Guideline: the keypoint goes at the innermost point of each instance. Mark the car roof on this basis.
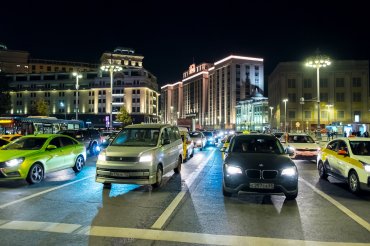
(254, 135)
(354, 139)
(143, 126)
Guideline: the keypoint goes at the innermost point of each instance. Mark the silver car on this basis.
(141, 154)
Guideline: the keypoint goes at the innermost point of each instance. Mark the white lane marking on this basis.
(159, 235)
(341, 207)
(42, 192)
(173, 205)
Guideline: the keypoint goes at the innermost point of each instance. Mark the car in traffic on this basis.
(347, 160)
(225, 143)
(10, 137)
(141, 154)
(188, 145)
(210, 139)
(89, 137)
(199, 139)
(31, 157)
(3, 142)
(257, 163)
(302, 145)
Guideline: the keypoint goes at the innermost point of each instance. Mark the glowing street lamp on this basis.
(64, 109)
(78, 76)
(111, 68)
(285, 101)
(317, 62)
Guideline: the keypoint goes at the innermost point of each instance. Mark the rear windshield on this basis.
(300, 139)
(137, 137)
(257, 145)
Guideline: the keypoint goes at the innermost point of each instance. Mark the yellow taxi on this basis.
(226, 143)
(188, 145)
(348, 160)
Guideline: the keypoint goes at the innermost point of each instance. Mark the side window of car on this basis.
(56, 142)
(176, 133)
(172, 134)
(342, 146)
(332, 145)
(67, 141)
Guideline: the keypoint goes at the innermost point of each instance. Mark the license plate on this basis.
(118, 174)
(261, 185)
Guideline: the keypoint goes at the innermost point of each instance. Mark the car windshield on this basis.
(249, 144)
(30, 143)
(137, 137)
(300, 139)
(208, 134)
(195, 134)
(360, 147)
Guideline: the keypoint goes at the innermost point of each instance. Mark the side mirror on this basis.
(51, 147)
(289, 151)
(342, 152)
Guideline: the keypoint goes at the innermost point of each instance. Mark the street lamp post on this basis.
(285, 101)
(317, 62)
(111, 68)
(78, 76)
(271, 108)
(171, 118)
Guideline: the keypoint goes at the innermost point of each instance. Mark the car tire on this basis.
(158, 177)
(93, 149)
(177, 169)
(35, 174)
(353, 182)
(79, 164)
(322, 171)
(107, 185)
(291, 196)
(226, 193)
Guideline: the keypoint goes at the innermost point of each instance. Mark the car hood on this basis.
(129, 151)
(303, 145)
(6, 155)
(254, 161)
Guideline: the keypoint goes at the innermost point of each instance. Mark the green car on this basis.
(31, 157)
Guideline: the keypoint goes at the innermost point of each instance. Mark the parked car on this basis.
(31, 157)
(89, 137)
(141, 154)
(188, 145)
(3, 142)
(348, 160)
(10, 137)
(257, 163)
(303, 146)
(199, 139)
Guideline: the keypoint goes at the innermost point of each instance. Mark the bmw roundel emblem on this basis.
(260, 165)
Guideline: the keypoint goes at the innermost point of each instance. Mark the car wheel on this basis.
(93, 149)
(178, 168)
(291, 196)
(35, 174)
(322, 171)
(158, 177)
(107, 185)
(79, 164)
(226, 193)
(353, 182)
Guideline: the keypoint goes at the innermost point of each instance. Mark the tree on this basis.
(42, 107)
(124, 117)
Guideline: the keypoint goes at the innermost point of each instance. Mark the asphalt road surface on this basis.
(189, 209)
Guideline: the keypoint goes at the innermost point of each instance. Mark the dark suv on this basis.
(89, 137)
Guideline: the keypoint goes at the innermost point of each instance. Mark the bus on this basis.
(36, 124)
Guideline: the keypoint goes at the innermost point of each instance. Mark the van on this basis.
(141, 154)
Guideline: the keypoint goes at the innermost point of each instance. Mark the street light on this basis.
(317, 62)
(271, 108)
(78, 76)
(64, 109)
(111, 68)
(171, 114)
(285, 101)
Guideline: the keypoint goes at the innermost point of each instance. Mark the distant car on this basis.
(107, 137)
(188, 145)
(10, 137)
(141, 154)
(89, 137)
(278, 134)
(303, 145)
(3, 142)
(199, 139)
(257, 163)
(31, 157)
(348, 160)
(210, 138)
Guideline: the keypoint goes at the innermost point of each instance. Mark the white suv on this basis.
(141, 154)
(303, 146)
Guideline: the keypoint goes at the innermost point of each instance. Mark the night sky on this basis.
(171, 34)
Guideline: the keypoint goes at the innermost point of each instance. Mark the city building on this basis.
(344, 96)
(208, 94)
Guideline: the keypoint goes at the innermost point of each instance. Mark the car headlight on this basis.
(366, 166)
(14, 162)
(199, 141)
(146, 158)
(290, 171)
(102, 157)
(233, 170)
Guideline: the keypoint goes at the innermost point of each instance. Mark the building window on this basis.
(339, 97)
(307, 83)
(291, 83)
(324, 97)
(339, 82)
(357, 97)
(292, 97)
(307, 114)
(356, 82)
(324, 83)
(307, 96)
(291, 114)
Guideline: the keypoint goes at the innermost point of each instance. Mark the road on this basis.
(189, 209)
